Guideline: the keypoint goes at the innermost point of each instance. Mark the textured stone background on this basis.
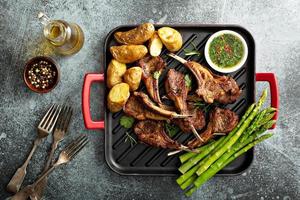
(275, 25)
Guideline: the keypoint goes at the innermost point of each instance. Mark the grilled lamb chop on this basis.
(196, 121)
(221, 121)
(136, 109)
(212, 87)
(193, 98)
(152, 107)
(177, 91)
(151, 65)
(153, 133)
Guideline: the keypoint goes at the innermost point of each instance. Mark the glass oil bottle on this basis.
(66, 38)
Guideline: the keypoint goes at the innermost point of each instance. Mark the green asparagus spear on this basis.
(184, 157)
(188, 174)
(262, 118)
(254, 136)
(191, 191)
(236, 148)
(269, 124)
(246, 148)
(185, 177)
(222, 143)
(234, 137)
(188, 182)
(216, 167)
(194, 160)
(239, 145)
(268, 116)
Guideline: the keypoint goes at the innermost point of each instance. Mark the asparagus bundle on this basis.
(197, 168)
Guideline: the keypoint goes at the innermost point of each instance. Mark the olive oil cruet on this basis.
(66, 38)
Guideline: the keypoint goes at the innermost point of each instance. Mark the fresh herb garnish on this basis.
(130, 139)
(156, 74)
(171, 129)
(191, 52)
(226, 50)
(204, 106)
(188, 80)
(200, 104)
(126, 121)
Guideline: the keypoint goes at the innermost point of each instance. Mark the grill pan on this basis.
(141, 159)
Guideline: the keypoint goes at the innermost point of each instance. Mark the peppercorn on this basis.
(41, 74)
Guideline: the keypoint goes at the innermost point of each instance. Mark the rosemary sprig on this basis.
(130, 139)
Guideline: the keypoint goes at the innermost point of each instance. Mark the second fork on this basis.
(65, 156)
(58, 135)
(45, 127)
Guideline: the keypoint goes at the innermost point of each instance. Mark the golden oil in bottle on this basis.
(66, 38)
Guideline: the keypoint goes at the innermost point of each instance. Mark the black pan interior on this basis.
(141, 159)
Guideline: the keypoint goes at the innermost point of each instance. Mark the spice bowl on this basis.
(41, 74)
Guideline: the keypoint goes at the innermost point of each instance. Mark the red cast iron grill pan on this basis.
(146, 160)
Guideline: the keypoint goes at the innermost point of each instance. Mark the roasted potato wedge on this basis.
(171, 38)
(115, 71)
(117, 97)
(128, 53)
(155, 45)
(133, 77)
(138, 35)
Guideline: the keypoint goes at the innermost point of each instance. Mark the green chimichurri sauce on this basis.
(226, 50)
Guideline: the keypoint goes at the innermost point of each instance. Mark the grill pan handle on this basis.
(271, 78)
(88, 80)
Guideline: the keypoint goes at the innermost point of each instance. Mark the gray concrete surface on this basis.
(275, 25)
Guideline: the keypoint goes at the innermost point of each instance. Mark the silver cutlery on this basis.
(58, 135)
(45, 127)
(65, 156)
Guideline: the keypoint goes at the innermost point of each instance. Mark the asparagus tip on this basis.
(263, 97)
(269, 124)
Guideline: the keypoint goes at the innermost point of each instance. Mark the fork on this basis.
(58, 135)
(45, 127)
(65, 156)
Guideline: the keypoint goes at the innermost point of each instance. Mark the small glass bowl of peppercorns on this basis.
(41, 74)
